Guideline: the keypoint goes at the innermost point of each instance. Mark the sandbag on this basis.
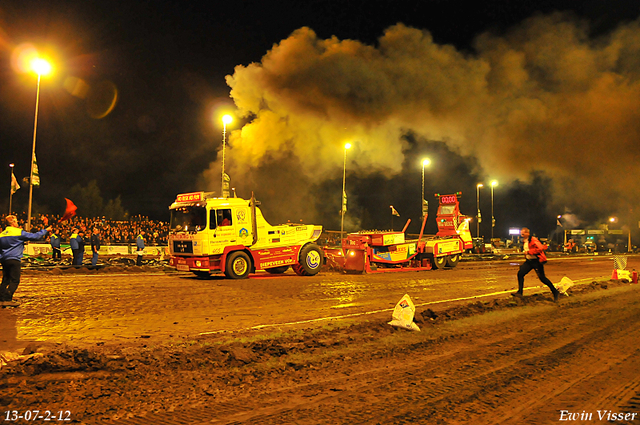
(402, 316)
(564, 284)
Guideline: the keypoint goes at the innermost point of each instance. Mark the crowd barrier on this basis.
(45, 249)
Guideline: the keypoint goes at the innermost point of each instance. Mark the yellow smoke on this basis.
(545, 96)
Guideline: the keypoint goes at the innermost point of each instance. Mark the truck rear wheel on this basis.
(453, 260)
(310, 262)
(238, 265)
(277, 270)
(439, 262)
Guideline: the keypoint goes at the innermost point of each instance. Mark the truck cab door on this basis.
(222, 229)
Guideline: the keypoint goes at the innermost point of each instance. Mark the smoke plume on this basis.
(546, 96)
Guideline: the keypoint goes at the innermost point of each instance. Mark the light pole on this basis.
(40, 67)
(425, 163)
(11, 189)
(478, 203)
(564, 232)
(226, 119)
(493, 219)
(614, 220)
(347, 146)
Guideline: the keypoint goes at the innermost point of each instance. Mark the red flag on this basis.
(69, 212)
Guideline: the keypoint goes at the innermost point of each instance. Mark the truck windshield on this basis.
(189, 218)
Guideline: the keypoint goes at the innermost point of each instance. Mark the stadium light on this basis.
(40, 67)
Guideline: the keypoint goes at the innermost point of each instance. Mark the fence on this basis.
(45, 249)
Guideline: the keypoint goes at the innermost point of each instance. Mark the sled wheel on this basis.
(238, 265)
(277, 270)
(439, 262)
(310, 262)
(203, 275)
(453, 260)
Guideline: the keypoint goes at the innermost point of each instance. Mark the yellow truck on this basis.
(229, 235)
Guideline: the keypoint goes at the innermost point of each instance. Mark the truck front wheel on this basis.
(311, 260)
(238, 265)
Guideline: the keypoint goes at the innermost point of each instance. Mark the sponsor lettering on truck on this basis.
(229, 235)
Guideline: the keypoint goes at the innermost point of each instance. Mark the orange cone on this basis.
(614, 276)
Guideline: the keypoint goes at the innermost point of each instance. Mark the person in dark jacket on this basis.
(95, 245)
(54, 239)
(11, 250)
(535, 259)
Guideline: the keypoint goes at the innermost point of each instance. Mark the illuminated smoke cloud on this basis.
(545, 97)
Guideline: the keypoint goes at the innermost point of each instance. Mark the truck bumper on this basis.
(188, 264)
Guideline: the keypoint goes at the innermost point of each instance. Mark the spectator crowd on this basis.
(112, 232)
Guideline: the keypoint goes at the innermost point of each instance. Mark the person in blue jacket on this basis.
(11, 250)
(140, 247)
(54, 239)
(77, 247)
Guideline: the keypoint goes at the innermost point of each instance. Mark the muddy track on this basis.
(524, 365)
(489, 361)
(515, 379)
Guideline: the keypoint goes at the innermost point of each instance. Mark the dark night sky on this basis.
(168, 62)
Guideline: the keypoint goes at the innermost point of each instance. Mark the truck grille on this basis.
(183, 247)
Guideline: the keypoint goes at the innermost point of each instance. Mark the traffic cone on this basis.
(614, 275)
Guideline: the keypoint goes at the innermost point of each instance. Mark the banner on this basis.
(344, 201)
(45, 249)
(34, 171)
(14, 184)
(394, 212)
(226, 182)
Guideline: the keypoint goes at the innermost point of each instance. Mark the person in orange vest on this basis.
(570, 246)
(535, 259)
